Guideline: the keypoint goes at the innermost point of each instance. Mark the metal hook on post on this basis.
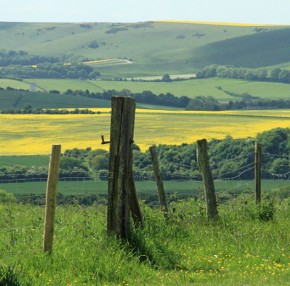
(103, 140)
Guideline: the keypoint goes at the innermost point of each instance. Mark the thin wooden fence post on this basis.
(258, 152)
(209, 189)
(158, 178)
(51, 190)
(120, 166)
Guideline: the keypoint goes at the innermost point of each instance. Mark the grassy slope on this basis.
(18, 99)
(155, 47)
(259, 50)
(186, 249)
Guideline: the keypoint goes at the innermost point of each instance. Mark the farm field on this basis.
(146, 189)
(18, 99)
(190, 88)
(34, 134)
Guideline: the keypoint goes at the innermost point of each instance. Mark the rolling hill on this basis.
(154, 48)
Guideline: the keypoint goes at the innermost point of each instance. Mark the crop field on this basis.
(18, 99)
(173, 189)
(30, 160)
(65, 84)
(190, 88)
(34, 134)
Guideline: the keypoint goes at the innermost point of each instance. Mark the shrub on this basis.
(6, 197)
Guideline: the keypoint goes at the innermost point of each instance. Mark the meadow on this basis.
(34, 134)
(189, 88)
(242, 248)
(96, 191)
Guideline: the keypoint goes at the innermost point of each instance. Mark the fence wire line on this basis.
(232, 159)
(281, 176)
(242, 168)
(31, 180)
(240, 186)
(276, 155)
(237, 176)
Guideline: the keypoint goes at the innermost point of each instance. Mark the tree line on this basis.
(229, 159)
(50, 70)
(274, 75)
(28, 109)
(20, 57)
(243, 101)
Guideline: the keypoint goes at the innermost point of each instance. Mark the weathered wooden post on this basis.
(51, 189)
(120, 166)
(134, 205)
(158, 178)
(258, 149)
(209, 190)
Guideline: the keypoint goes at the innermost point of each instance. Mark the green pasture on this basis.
(154, 47)
(205, 87)
(65, 84)
(147, 190)
(18, 99)
(190, 88)
(17, 84)
(29, 160)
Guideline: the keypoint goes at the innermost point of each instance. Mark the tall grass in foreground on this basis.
(249, 245)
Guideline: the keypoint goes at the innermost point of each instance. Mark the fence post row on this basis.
(258, 151)
(158, 178)
(51, 189)
(209, 190)
(121, 192)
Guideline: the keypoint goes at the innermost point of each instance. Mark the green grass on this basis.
(155, 48)
(64, 84)
(190, 88)
(37, 161)
(259, 50)
(18, 99)
(147, 190)
(185, 249)
(205, 87)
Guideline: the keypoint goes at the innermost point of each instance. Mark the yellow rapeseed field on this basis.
(34, 134)
(218, 23)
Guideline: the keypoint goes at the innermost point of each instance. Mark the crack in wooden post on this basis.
(209, 189)
(120, 186)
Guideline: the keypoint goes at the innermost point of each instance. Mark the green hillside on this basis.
(190, 88)
(154, 47)
(19, 99)
(259, 50)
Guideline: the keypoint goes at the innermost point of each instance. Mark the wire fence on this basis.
(234, 179)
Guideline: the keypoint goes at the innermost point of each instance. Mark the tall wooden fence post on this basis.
(209, 190)
(120, 166)
(258, 149)
(158, 178)
(51, 189)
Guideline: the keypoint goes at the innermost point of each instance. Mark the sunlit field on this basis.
(34, 134)
(217, 23)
